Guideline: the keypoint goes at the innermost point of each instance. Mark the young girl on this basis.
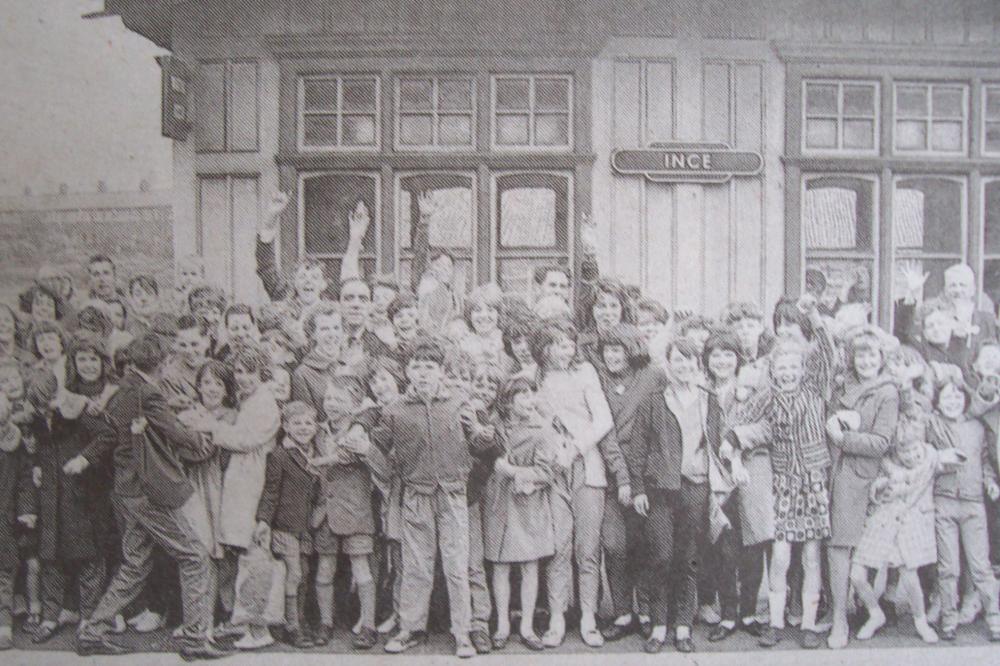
(899, 531)
(570, 390)
(482, 314)
(518, 515)
(248, 440)
(343, 521)
(517, 343)
(789, 418)
(48, 343)
(386, 382)
(960, 514)
(860, 430)
(217, 396)
(75, 514)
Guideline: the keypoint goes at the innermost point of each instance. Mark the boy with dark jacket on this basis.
(290, 489)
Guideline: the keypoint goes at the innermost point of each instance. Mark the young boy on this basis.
(189, 271)
(290, 489)
(343, 521)
(425, 430)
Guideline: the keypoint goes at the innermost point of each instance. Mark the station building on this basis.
(724, 148)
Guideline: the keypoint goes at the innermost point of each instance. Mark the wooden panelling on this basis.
(628, 211)
(243, 107)
(214, 230)
(210, 107)
(698, 247)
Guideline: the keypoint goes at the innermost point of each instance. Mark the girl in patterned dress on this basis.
(789, 418)
(899, 531)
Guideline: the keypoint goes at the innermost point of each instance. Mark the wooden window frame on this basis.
(376, 218)
(435, 113)
(532, 112)
(402, 253)
(499, 253)
(387, 161)
(930, 119)
(972, 165)
(919, 255)
(848, 255)
(840, 118)
(986, 87)
(339, 113)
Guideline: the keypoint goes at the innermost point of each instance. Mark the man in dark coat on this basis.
(150, 492)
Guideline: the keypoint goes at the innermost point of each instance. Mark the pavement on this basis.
(893, 646)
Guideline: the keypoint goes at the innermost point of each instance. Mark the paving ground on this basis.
(898, 645)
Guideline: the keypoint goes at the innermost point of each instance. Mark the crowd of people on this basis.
(625, 469)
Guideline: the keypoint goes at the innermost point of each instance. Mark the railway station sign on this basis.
(686, 162)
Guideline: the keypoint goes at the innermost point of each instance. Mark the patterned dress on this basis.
(801, 492)
(899, 531)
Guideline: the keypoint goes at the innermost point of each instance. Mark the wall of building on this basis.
(63, 231)
(692, 246)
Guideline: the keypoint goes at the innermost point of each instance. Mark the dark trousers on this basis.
(993, 528)
(626, 557)
(147, 525)
(676, 528)
(734, 569)
(90, 579)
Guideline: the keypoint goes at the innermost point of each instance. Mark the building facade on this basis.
(877, 121)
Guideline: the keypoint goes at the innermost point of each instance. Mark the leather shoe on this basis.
(948, 635)
(768, 637)
(366, 639)
(652, 645)
(720, 633)
(616, 632)
(43, 633)
(685, 645)
(811, 640)
(646, 628)
(481, 641)
(322, 635)
(203, 650)
(98, 647)
(753, 628)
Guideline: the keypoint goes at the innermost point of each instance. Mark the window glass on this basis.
(928, 227)
(328, 200)
(532, 214)
(930, 118)
(533, 211)
(838, 223)
(453, 209)
(991, 119)
(840, 116)
(435, 112)
(991, 246)
(339, 112)
(532, 111)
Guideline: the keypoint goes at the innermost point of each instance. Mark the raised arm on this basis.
(267, 265)
(358, 221)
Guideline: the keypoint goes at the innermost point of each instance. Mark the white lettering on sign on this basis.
(688, 161)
